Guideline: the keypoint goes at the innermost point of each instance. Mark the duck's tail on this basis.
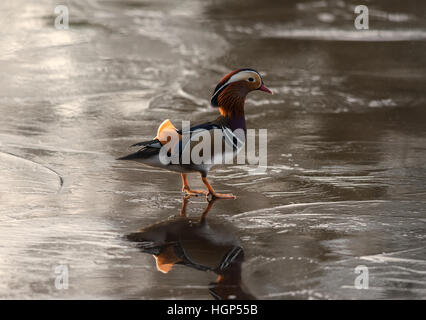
(151, 147)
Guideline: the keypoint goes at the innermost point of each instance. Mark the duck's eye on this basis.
(250, 79)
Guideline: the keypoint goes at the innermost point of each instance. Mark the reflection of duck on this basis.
(197, 244)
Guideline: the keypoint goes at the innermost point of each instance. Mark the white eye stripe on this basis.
(242, 75)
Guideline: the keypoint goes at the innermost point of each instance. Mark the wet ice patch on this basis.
(24, 176)
(345, 35)
(381, 103)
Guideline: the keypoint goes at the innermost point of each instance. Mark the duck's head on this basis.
(230, 93)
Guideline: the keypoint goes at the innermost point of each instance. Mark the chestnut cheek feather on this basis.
(231, 99)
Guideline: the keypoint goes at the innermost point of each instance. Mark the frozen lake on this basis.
(346, 178)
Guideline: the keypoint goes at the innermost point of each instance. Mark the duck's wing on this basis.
(217, 132)
(221, 142)
(204, 126)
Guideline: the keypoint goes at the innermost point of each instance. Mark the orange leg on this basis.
(214, 194)
(188, 190)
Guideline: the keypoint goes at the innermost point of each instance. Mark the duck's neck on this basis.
(231, 106)
(237, 123)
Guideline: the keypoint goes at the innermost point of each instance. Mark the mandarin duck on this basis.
(229, 97)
